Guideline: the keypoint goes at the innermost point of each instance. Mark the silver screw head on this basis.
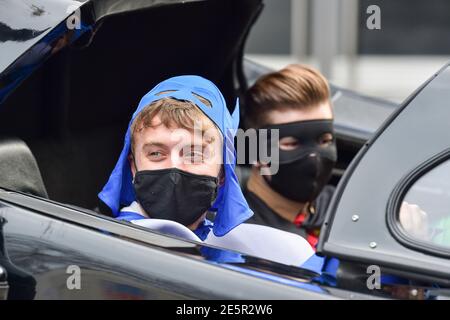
(373, 245)
(355, 217)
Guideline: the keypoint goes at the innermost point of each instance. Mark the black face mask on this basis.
(173, 194)
(304, 171)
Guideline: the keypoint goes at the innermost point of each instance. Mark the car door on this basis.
(405, 163)
(52, 251)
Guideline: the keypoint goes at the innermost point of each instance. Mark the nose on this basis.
(175, 177)
(176, 160)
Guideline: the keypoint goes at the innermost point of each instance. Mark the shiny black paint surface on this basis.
(116, 263)
(25, 23)
(29, 35)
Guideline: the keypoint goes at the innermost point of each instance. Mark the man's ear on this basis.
(132, 164)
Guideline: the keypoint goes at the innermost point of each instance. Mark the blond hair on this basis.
(296, 86)
(173, 113)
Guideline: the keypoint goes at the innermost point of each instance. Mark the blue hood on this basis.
(231, 207)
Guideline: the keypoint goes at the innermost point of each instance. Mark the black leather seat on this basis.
(18, 168)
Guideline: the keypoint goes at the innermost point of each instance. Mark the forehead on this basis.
(159, 133)
(288, 114)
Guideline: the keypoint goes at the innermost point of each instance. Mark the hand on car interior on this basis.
(414, 220)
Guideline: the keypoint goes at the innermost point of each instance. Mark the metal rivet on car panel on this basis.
(355, 217)
(373, 245)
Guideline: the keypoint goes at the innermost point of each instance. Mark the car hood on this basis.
(207, 35)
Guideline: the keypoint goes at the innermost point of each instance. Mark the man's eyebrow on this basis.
(153, 144)
(204, 144)
(193, 144)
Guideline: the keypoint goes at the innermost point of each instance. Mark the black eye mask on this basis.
(305, 170)
(308, 134)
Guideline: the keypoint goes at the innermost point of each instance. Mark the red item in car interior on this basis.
(311, 237)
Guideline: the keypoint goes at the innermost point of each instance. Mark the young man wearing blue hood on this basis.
(177, 165)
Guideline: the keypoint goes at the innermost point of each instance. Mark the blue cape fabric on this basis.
(230, 206)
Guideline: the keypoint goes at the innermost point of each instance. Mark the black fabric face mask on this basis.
(304, 171)
(173, 194)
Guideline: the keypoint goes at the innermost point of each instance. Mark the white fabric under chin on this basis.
(168, 227)
(250, 239)
(265, 242)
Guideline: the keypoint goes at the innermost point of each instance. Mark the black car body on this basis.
(65, 99)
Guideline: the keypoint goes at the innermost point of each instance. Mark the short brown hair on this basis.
(173, 113)
(296, 86)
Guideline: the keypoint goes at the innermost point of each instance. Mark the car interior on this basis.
(63, 127)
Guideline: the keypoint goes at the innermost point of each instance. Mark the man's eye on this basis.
(194, 156)
(326, 139)
(288, 144)
(155, 155)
